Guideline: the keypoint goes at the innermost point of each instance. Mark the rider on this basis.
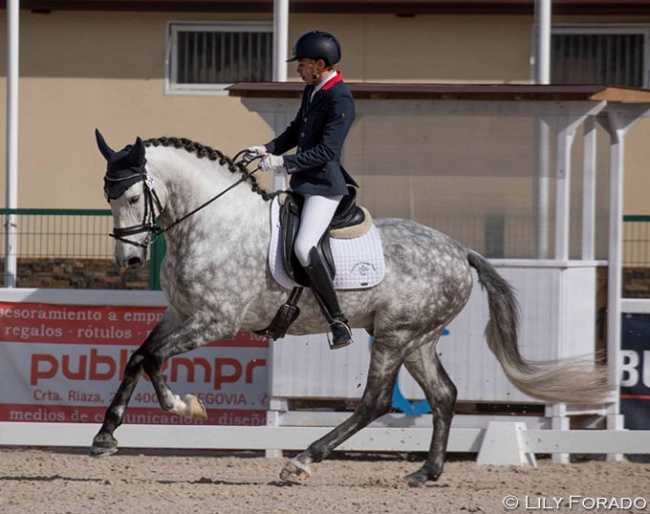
(318, 131)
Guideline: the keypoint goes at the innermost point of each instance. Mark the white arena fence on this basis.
(56, 394)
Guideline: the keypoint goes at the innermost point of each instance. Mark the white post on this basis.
(13, 13)
(563, 191)
(620, 119)
(280, 38)
(542, 75)
(280, 41)
(615, 270)
(565, 126)
(541, 189)
(543, 41)
(589, 191)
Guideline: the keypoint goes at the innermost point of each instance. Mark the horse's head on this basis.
(133, 202)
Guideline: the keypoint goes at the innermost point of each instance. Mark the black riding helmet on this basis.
(317, 45)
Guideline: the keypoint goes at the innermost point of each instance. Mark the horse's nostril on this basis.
(134, 262)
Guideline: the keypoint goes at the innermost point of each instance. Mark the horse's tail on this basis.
(575, 380)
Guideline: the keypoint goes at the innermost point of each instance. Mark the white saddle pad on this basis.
(359, 261)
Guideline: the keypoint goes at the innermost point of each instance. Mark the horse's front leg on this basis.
(104, 443)
(194, 332)
(168, 338)
(190, 337)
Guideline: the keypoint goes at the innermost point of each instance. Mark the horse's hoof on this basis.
(97, 451)
(295, 472)
(196, 407)
(417, 479)
(103, 444)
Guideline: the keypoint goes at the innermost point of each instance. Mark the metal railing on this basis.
(636, 256)
(54, 233)
(70, 248)
(636, 241)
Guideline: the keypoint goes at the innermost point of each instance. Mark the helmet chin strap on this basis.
(315, 74)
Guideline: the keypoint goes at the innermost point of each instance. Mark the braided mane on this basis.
(202, 151)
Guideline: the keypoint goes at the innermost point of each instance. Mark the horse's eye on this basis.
(134, 199)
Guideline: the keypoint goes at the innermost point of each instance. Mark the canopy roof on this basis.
(455, 91)
(399, 7)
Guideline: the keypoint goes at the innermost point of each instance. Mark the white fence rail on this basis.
(501, 443)
(496, 440)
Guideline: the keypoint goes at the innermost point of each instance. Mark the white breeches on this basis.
(317, 213)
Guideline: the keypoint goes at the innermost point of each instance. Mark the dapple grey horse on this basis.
(216, 278)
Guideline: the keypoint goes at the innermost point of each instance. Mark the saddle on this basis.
(349, 221)
(348, 215)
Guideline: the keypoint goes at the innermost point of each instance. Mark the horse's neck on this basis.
(190, 183)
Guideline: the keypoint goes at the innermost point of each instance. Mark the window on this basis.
(207, 57)
(614, 55)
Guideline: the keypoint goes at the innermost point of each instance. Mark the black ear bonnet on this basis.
(123, 168)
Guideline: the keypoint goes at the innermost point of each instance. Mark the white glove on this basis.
(252, 152)
(274, 163)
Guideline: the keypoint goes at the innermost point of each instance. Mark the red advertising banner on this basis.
(63, 363)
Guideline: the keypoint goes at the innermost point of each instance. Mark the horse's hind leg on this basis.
(426, 369)
(104, 443)
(376, 400)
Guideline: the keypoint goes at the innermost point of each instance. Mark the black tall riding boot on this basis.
(323, 288)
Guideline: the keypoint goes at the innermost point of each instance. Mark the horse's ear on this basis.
(138, 150)
(106, 150)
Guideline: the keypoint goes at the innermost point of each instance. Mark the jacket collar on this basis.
(338, 77)
(318, 97)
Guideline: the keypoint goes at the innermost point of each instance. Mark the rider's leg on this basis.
(317, 214)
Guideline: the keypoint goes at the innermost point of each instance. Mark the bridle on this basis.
(152, 202)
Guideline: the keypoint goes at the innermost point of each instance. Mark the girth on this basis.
(348, 214)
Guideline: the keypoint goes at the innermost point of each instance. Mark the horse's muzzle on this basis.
(131, 261)
(134, 262)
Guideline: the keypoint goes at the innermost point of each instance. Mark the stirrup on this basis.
(341, 339)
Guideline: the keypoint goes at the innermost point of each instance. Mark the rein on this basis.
(152, 201)
(157, 231)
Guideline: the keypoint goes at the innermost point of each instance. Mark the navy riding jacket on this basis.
(318, 132)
